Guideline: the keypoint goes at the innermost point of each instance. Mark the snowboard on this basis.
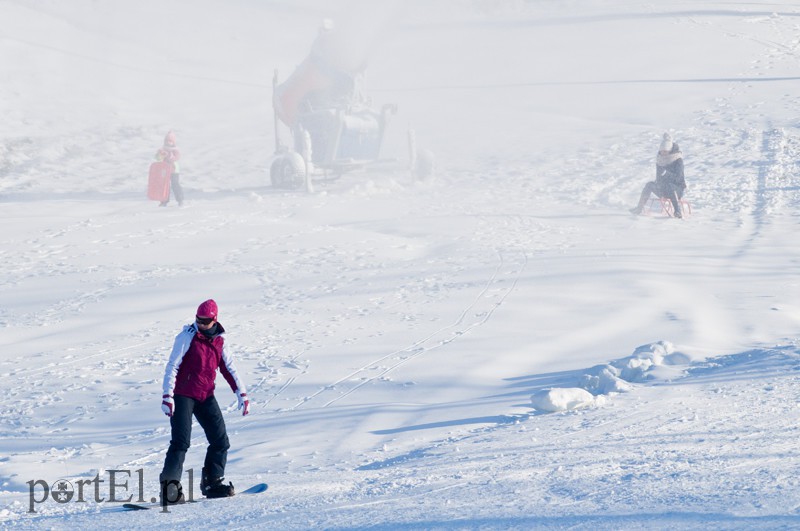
(255, 489)
(158, 181)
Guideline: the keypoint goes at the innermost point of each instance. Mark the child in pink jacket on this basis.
(169, 152)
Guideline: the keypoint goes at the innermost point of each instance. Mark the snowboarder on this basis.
(188, 389)
(169, 152)
(670, 182)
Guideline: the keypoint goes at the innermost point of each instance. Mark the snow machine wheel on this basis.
(424, 165)
(288, 171)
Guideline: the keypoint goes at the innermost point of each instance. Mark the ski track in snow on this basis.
(443, 336)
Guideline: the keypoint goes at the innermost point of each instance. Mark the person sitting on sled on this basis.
(670, 182)
(169, 152)
(188, 390)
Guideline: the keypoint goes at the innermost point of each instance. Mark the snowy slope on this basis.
(502, 347)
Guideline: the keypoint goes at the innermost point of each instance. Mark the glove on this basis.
(244, 402)
(167, 405)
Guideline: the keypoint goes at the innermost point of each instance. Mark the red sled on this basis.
(158, 182)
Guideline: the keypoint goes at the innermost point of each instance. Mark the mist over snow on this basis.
(503, 346)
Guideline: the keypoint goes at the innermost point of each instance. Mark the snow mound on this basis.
(562, 399)
(615, 377)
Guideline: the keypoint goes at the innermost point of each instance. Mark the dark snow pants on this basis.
(209, 417)
(665, 190)
(175, 186)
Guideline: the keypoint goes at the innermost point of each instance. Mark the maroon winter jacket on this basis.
(192, 367)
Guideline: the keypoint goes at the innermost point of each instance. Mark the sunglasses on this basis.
(204, 320)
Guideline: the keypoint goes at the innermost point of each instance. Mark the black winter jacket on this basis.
(672, 174)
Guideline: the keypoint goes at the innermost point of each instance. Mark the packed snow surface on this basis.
(503, 346)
